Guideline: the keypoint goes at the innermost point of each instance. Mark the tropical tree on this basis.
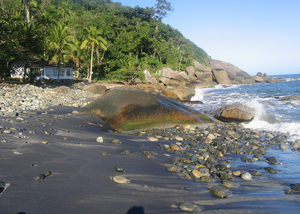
(93, 40)
(76, 54)
(162, 6)
(59, 42)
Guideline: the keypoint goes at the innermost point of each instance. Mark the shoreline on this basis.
(82, 170)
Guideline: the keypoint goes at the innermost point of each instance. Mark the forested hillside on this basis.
(112, 40)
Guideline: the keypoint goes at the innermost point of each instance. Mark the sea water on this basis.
(271, 113)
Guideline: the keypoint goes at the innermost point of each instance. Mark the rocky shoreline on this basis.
(202, 155)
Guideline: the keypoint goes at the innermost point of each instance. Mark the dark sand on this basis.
(81, 175)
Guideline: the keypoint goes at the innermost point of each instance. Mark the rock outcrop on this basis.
(235, 113)
(179, 94)
(293, 97)
(128, 108)
(221, 76)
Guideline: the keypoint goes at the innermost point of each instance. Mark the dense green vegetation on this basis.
(105, 37)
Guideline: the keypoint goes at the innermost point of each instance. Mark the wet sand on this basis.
(81, 175)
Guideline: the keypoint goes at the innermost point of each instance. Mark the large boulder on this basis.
(293, 97)
(128, 108)
(171, 78)
(97, 89)
(235, 113)
(204, 77)
(179, 94)
(221, 76)
(149, 78)
(63, 90)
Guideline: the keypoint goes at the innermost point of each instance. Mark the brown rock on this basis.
(179, 94)
(63, 90)
(235, 113)
(126, 108)
(294, 97)
(97, 89)
(221, 76)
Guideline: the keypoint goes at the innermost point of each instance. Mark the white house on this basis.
(42, 72)
(52, 73)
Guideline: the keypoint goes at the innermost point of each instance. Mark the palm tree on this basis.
(59, 40)
(93, 40)
(76, 54)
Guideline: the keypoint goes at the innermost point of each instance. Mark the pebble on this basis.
(2, 186)
(219, 193)
(119, 169)
(45, 142)
(99, 139)
(172, 168)
(271, 170)
(21, 99)
(120, 180)
(227, 184)
(153, 139)
(186, 207)
(115, 141)
(246, 176)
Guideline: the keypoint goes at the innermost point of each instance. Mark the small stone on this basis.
(147, 154)
(231, 132)
(284, 146)
(244, 159)
(65, 138)
(178, 138)
(75, 112)
(104, 153)
(42, 176)
(219, 193)
(119, 169)
(196, 174)
(288, 191)
(153, 139)
(296, 187)
(45, 142)
(186, 207)
(271, 170)
(211, 136)
(99, 139)
(2, 186)
(272, 160)
(227, 184)
(236, 173)
(126, 152)
(120, 180)
(205, 179)
(172, 168)
(174, 147)
(246, 176)
(48, 173)
(295, 145)
(6, 132)
(256, 173)
(115, 141)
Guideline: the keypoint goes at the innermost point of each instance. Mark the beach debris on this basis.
(119, 169)
(186, 207)
(120, 179)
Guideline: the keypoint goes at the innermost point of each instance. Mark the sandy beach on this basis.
(64, 143)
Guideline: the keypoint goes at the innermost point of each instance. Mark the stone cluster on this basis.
(17, 99)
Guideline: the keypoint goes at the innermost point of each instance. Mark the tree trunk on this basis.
(91, 67)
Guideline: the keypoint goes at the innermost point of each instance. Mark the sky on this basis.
(254, 35)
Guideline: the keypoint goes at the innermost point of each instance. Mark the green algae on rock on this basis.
(126, 109)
